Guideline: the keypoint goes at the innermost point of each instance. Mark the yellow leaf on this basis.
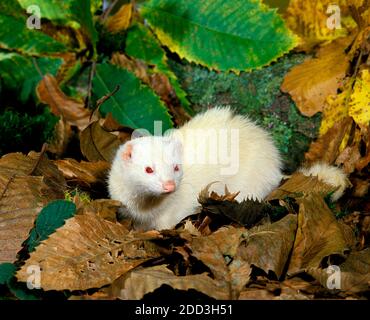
(335, 110)
(312, 81)
(359, 105)
(310, 20)
(120, 21)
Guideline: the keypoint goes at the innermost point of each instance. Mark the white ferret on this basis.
(158, 178)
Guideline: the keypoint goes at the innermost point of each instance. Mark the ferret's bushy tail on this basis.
(330, 175)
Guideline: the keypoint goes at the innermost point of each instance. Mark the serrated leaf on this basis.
(25, 190)
(49, 219)
(14, 35)
(73, 13)
(134, 105)
(88, 252)
(25, 79)
(222, 35)
(142, 44)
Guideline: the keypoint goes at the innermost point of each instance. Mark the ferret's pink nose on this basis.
(169, 186)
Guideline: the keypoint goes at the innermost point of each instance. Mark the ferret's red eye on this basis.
(149, 170)
(176, 168)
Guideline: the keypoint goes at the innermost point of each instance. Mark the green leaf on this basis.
(72, 13)
(142, 44)
(25, 79)
(49, 219)
(21, 291)
(236, 35)
(14, 35)
(6, 272)
(135, 105)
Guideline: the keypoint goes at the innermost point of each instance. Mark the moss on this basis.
(256, 94)
(22, 132)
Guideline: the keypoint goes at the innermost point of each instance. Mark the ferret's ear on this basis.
(127, 151)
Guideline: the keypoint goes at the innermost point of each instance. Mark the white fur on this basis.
(258, 174)
(330, 175)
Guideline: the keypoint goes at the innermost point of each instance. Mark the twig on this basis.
(37, 67)
(7, 186)
(42, 152)
(106, 13)
(106, 97)
(89, 87)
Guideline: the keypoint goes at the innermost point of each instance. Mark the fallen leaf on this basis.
(27, 184)
(298, 185)
(83, 173)
(71, 110)
(120, 21)
(139, 282)
(256, 294)
(312, 81)
(268, 246)
(319, 234)
(327, 147)
(218, 252)
(246, 213)
(351, 154)
(309, 19)
(62, 135)
(103, 208)
(88, 252)
(359, 105)
(98, 144)
(354, 273)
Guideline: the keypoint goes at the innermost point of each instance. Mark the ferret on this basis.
(158, 178)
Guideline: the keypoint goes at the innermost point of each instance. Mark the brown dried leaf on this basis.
(85, 173)
(139, 282)
(225, 207)
(136, 66)
(98, 144)
(103, 208)
(120, 21)
(312, 81)
(256, 294)
(298, 185)
(268, 247)
(62, 135)
(319, 234)
(326, 148)
(88, 252)
(71, 110)
(354, 272)
(218, 251)
(22, 197)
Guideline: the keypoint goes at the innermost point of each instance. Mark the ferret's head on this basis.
(151, 165)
